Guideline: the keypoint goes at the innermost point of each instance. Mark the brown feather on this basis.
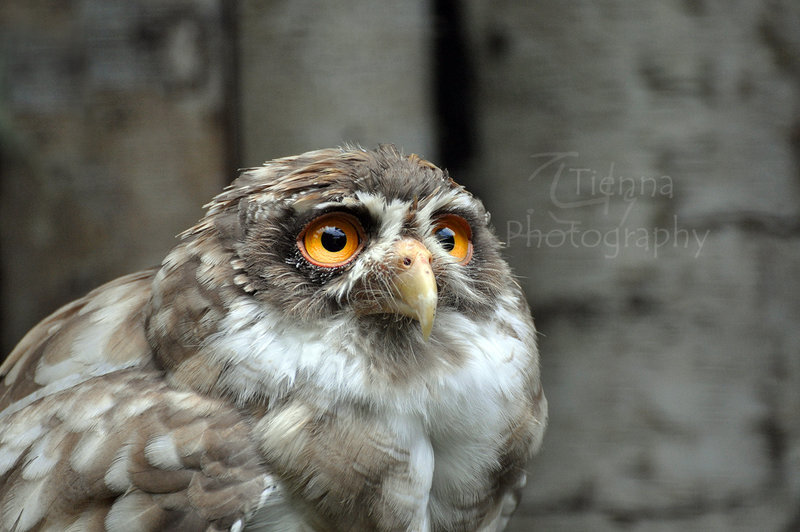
(218, 477)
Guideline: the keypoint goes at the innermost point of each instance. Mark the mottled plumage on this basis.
(336, 345)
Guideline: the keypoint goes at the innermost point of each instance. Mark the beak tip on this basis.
(427, 328)
(426, 313)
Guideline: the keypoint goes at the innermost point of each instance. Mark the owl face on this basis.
(370, 234)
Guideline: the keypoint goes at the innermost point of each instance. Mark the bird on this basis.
(337, 344)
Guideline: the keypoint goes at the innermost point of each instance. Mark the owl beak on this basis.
(415, 285)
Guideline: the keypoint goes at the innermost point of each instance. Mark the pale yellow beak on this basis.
(415, 285)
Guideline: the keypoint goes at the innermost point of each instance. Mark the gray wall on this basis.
(641, 160)
(113, 122)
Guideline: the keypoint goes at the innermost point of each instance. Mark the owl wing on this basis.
(96, 334)
(126, 452)
(91, 436)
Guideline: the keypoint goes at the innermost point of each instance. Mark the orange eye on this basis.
(331, 240)
(455, 236)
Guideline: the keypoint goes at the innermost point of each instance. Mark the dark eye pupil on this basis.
(333, 239)
(447, 238)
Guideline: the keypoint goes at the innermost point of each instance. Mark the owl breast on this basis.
(449, 428)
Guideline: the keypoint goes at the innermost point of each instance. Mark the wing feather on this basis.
(139, 469)
(100, 332)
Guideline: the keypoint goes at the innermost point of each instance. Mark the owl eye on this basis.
(455, 236)
(331, 240)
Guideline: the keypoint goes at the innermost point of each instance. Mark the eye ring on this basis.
(455, 235)
(331, 240)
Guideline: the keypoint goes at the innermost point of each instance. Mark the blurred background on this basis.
(641, 160)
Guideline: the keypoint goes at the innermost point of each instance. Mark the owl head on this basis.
(375, 233)
(381, 243)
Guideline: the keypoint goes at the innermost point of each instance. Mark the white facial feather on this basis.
(391, 216)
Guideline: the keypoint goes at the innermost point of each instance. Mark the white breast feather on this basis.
(267, 353)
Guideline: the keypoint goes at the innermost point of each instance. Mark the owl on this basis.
(336, 345)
